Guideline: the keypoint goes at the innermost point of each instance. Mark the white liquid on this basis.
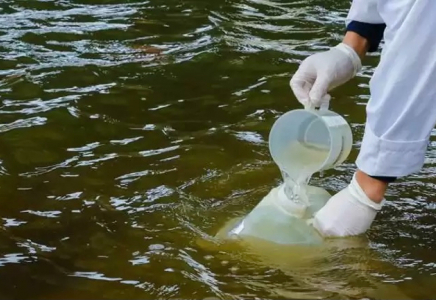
(300, 162)
(272, 220)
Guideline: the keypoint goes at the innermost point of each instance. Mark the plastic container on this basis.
(305, 141)
(280, 220)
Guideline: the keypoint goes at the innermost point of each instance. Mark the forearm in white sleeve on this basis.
(401, 113)
(402, 110)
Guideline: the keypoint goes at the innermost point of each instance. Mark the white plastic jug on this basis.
(305, 141)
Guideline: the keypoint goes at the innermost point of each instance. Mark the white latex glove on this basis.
(321, 72)
(347, 213)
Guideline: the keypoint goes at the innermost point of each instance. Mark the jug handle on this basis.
(325, 102)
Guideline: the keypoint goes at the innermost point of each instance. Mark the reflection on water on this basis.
(132, 131)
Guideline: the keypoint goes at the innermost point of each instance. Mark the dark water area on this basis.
(132, 131)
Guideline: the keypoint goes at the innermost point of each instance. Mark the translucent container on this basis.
(280, 220)
(305, 141)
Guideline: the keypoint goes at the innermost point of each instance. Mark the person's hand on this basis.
(321, 72)
(347, 213)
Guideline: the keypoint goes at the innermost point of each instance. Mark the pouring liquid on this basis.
(300, 162)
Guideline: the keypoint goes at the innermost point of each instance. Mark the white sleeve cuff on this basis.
(380, 157)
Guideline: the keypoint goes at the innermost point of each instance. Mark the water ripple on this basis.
(132, 131)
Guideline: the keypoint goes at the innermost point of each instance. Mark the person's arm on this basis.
(357, 42)
(400, 118)
(364, 26)
(364, 37)
(322, 72)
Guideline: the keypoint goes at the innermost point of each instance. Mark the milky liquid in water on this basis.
(283, 219)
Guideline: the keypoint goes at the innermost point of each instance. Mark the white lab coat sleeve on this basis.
(401, 112)
(365, 11)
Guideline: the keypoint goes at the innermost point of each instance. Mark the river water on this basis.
(132, 131)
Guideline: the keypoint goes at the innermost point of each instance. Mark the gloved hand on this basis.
(349, 212)
(321, 72)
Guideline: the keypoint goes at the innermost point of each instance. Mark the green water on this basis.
(132, 131)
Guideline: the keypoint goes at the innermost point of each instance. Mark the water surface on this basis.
(132, 131)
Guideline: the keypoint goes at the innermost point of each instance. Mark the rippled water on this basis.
(132, 131)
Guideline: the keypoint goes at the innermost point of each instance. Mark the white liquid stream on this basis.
(300, 162)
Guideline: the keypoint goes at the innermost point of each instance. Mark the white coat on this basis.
(401, 112)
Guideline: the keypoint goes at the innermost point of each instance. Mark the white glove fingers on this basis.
(301, 89)
(325, 102)
(319, 90)
(323, 71)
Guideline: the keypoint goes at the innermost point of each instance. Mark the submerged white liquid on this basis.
(281, 217)
(272, 220)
